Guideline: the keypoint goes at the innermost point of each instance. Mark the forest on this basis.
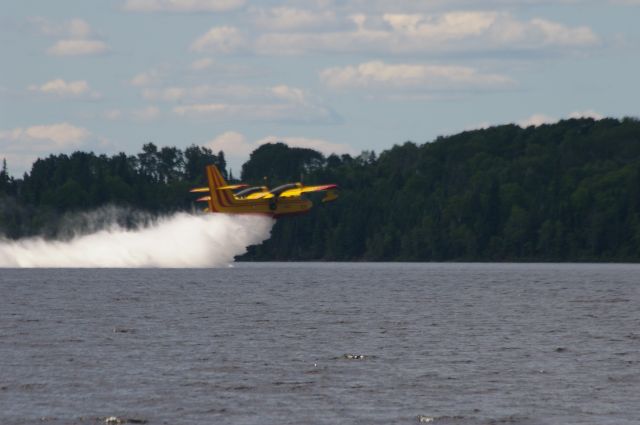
(568, 191)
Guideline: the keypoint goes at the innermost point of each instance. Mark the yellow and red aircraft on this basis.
(244, 199)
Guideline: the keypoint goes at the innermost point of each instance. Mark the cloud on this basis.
(323, 146)
(232, 143)
(62, 88)
(146, 78)
(77, 48)
(148, 113)
(21, 146)
(75, 28)
(279, 103)
(75, 36)
(416, 33)
(411, 76)
(223, 39)
(236, 145)
(224, 69)
(291, 94)
(586, 114)
(204, 91)
(182, 5)
(289, 19)
(537, 120)
(274, 112)
(62, 135)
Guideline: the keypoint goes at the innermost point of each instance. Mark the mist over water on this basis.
(180, 240)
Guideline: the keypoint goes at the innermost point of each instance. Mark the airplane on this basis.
(281, 201)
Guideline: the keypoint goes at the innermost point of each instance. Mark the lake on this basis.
(322, 343)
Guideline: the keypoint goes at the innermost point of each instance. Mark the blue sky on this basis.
(337, 76)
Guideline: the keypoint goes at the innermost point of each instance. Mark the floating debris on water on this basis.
(114, 420)
(118, 330)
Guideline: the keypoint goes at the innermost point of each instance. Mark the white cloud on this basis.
(288, 19)
(61, 135)
(291, 94)
(236, 145)
(21, 146)
(323, 146)
(232, 143)
(169, 94)
(62, 88)
(74, 28)
(553, 33)
(148, 113)
(586, 114)
(451, 31)
(77, 47)
(278, 103)
(147, 78)
(452, 25)
(537, 120)
(204, 92)
(182, 5)
(75, 37)
(223, 39)
(224, 69)
(429, 77)
(274, 112)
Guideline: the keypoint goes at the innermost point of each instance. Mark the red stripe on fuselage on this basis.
(222, 197)
(214, 192)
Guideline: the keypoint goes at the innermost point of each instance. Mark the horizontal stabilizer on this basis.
(199, 189)
(331, 195)
(232, 187)
(204, 199)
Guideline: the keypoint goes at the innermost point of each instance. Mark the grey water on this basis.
(322, 343)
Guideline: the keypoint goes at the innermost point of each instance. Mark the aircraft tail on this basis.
(220, 193)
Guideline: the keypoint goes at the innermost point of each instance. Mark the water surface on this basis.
(269, 344)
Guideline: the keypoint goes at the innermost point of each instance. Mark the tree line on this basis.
(568, 191)
(155, 181)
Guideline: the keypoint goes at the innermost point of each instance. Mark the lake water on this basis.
(281, 344)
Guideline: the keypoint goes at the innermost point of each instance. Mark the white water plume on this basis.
(181, 240)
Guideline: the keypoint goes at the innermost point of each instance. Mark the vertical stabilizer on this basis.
(221, 199)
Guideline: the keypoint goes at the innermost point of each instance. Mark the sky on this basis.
(335, 76)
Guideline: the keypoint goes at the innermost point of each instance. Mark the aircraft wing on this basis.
(305, 189)
(199, 190)
(229, 187)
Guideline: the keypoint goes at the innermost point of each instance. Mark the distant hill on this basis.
(562, 192)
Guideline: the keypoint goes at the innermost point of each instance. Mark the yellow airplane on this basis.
(243, 199)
